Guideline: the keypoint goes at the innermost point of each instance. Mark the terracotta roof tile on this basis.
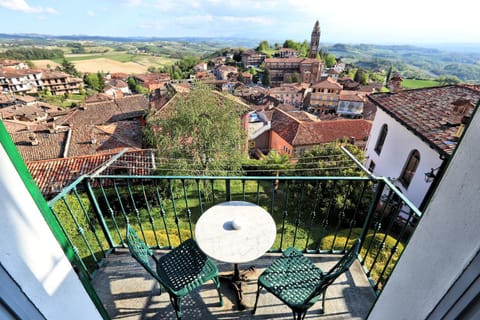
(328, 83)
(426, 112)
(305, 133)
(90, 129)
(50, 145)
(53, 175)
(284, 125)
(320, 132)
(347, 95)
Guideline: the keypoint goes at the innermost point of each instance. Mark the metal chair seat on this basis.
(293, 278)
(298, 283)
(179, 271)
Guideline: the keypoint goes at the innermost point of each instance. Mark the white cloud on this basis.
(255, 20)
(23, 6)
(91, 13)
(133, 3)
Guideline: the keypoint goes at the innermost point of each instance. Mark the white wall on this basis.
(446, 239)
(396, 149)
(32, 256)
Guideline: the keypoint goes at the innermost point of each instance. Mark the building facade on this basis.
(324, 96)
(350, 104)
(288, 94)
(23, 81)
(252, 58)
(293, 70)
(415, 132)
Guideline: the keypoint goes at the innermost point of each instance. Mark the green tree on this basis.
(303, 49)
(132, 83)
(330, 160)
(68, 67)
(101, 80)
(361, 76)
(201, 134)
(275, 163)
(389, 75)
(91, 80)
(330, 60)
(290, 44)
(141, 89)
(263, 46)
(186, 65)
(448, 80)
(254, 73)
(266, 78)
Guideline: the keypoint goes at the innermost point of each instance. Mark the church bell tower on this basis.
(315, 41)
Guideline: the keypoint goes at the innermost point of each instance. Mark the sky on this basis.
(348, 21)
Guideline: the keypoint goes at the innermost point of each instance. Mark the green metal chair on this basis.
(298, 283)
(179, 271)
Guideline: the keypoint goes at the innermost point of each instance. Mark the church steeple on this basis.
(315, 40)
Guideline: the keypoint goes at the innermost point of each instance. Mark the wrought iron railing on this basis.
(314, 214)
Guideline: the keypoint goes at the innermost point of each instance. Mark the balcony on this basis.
(319, 215)
(129, 293)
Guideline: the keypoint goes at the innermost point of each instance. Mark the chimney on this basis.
(52, 128)
(33, 139)
(395, 83)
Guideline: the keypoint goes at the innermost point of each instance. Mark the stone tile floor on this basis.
(130, 293)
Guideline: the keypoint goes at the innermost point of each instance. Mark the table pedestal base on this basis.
(237, 281)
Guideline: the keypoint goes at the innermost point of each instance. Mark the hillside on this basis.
(412, 61)
(415, 62)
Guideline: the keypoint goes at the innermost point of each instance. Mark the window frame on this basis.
(410, 168)
(382, 136)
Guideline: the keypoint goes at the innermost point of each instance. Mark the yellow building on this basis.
(324, 96)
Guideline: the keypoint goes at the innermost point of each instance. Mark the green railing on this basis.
(314, 214)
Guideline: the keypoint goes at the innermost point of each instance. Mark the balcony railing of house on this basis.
(313, 214)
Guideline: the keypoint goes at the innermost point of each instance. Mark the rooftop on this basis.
(328, 83)
(292, 60)
(297, 132)
(427, 112)
(52, 175)
(90, 129)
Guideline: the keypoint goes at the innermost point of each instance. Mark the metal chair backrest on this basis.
(140, 251)
(340, 267)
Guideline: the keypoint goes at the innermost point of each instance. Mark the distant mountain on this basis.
(413, 61)
(239, 42)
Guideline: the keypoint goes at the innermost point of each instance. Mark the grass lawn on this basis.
(417, 84)
(61, 101)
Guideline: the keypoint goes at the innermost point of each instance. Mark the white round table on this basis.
(235, 231)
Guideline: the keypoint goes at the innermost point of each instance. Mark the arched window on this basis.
(410, 168)
(381, 139)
